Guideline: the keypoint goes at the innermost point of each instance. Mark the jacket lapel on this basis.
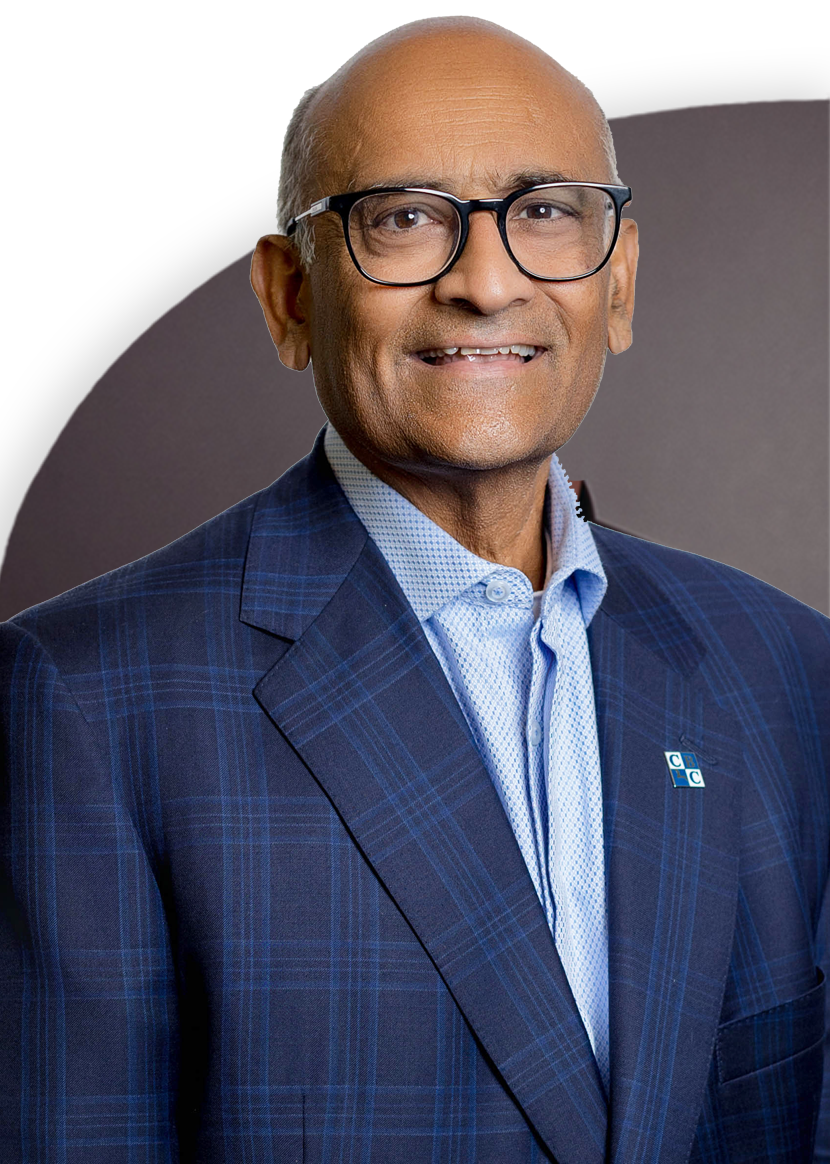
(364, 702)
(671, 859)
(362, 699)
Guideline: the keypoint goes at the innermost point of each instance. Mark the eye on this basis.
(542, 211)
(402, 218)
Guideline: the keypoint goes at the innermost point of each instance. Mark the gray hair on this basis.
(296, 165)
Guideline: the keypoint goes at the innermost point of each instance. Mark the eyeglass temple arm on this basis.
(315, 208)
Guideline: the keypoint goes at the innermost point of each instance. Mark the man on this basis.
(396, 814)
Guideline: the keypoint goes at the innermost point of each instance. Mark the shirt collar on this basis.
(433, 569)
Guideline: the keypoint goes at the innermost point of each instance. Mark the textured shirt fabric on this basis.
(519, 666)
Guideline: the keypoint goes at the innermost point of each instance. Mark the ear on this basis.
(623, 265)
(281, 288)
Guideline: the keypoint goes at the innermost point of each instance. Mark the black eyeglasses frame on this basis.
(343, 203)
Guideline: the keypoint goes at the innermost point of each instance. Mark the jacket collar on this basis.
(433, 569)
(305, 538)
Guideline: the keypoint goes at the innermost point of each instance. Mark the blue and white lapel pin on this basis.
(684, 769)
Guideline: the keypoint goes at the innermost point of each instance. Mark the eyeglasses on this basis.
(402, 236)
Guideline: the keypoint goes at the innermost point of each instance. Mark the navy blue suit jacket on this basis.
(262, 903)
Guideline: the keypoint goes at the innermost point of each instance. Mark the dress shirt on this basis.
(518, 664)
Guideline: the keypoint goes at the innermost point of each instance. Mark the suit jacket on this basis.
(263, 903)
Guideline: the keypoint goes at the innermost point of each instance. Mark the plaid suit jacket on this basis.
(261, 902)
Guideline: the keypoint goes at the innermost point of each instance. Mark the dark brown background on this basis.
(710, 434)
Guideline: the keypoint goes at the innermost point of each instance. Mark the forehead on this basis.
(463, 112)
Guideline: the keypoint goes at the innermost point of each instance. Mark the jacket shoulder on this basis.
(684, 569)
(722, 607)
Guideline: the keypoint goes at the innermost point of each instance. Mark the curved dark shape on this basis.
(103, 327)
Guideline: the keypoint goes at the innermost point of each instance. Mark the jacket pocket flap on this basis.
(749, 1044)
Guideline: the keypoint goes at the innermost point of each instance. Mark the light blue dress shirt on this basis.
(519, 666)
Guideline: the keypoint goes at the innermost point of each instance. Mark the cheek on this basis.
(581, 308)
(582, 312)
(350, 322)
(336, 318)
(354, 326)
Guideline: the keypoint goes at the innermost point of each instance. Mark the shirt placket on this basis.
(575, 829)
(537, 736)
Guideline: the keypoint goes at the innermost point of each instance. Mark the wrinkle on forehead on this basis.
(433, 87)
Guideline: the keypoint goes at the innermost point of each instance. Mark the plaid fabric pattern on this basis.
(261, 901)
(522, 677)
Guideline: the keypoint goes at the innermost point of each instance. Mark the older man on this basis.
(397, 814)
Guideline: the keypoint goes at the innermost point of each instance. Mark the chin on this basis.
(478, 446)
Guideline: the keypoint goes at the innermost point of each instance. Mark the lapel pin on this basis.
(684, 769)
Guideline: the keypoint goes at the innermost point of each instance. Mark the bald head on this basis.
(421, 81)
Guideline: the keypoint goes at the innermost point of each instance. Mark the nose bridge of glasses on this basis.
(493, 206)
(475, 204)
(495, 209)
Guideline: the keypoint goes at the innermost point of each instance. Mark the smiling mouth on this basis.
(508, 353)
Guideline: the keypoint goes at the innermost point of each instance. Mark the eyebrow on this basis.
(516, 181)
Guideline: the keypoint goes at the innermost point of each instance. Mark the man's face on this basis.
(476, 117)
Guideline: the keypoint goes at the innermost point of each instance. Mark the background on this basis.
(125, 120)
(711, 434)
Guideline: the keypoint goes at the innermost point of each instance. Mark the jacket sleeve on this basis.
(88, 1037)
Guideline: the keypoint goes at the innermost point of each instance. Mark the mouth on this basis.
(510, 355)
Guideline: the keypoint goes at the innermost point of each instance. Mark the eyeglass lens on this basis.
(557, 232)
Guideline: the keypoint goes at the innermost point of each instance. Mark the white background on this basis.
(141, 148)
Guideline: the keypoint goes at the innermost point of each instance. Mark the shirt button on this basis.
(534, 734)
(497, 590)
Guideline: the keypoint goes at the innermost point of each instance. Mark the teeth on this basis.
(512, 349)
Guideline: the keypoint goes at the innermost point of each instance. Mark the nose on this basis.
(484, 278)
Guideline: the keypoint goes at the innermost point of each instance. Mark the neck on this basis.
(495, 513)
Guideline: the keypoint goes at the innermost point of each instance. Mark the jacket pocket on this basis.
(764, 1039)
